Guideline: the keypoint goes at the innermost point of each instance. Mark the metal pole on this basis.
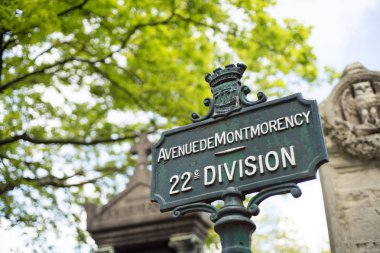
(234, 225)
(233, 221)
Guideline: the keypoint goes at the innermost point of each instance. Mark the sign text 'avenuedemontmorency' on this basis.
(235, 136)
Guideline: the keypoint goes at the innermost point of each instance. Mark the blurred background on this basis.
(80, 80)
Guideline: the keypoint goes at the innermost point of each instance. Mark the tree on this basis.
(68, 67)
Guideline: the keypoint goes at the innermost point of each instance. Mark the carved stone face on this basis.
(362, 88)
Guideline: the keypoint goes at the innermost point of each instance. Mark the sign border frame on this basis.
(305, 175)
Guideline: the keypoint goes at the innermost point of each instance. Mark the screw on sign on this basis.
(238, 147)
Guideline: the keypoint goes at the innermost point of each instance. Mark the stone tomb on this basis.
(130, 223)
(351, 181)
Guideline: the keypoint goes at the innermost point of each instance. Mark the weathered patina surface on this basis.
(241, 144)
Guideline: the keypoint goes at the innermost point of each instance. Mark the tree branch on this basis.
(34, 140)
(133, 76)
(123, 44)
(6, 187)
(49, 180)
(38, 71)
(59, 182)
(1, 55)
(2, 49)
(79, 6)
(190, 20)
(11, 139)
(46, 181)
(43, 52)
(121, 88)
(141, 25)
(6, 44)
(216, 28)
(118, 86)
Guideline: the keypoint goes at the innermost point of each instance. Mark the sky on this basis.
(345, 31)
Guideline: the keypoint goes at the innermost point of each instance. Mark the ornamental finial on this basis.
(228, 94)
(230, 73)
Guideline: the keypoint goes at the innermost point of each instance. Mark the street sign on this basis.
(247, 147)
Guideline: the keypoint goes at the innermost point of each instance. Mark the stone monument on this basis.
(130, 223)
(351, 181)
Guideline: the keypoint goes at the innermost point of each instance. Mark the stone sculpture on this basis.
(350, 181)
(352, 112)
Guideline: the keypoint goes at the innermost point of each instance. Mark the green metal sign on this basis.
(246, 145)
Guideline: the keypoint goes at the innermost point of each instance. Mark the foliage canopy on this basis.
(81, 79)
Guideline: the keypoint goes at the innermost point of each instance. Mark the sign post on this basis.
(239, 147)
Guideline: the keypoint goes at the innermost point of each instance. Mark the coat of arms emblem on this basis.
(226, 98)
(228, 94)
